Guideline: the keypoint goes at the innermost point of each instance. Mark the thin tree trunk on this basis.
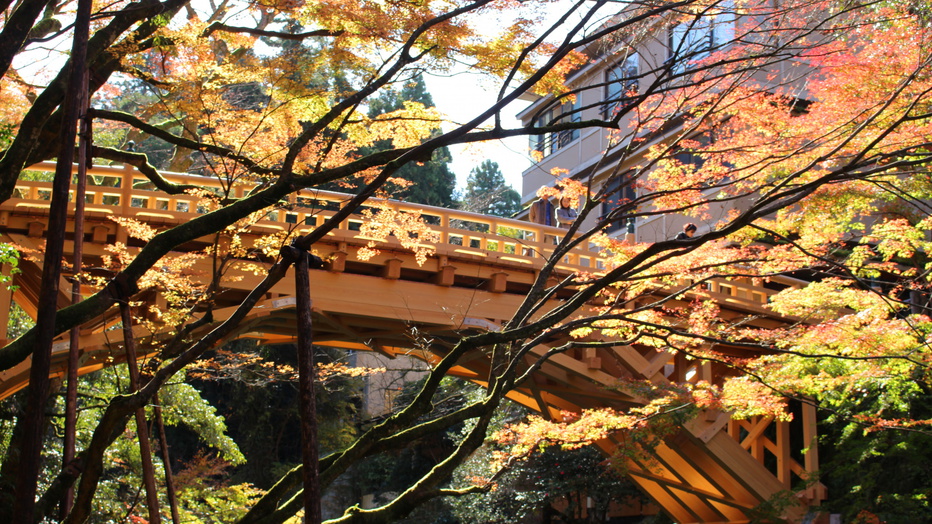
(142, 428)
(306, 375)
(166, 460)
(71, 397)
(115, 417)
(39, 382)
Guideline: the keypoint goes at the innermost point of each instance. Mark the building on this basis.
(625, 74)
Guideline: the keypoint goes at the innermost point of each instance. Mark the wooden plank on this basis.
(735, 460)
(704, 507)
(686, 473)
(783, 454)
(736, 493)
(663, 498)
(698, 504)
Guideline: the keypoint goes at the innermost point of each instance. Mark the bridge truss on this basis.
(712, 469)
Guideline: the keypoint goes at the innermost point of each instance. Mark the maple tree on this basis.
(810, 120)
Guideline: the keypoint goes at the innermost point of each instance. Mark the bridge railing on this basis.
(121, 190)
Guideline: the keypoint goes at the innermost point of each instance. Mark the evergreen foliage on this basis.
(487, 193)
(878, 476)
(577, 485)
(431, 182)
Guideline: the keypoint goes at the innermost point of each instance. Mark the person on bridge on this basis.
(688, 231)
(566, 215)
(541, 212)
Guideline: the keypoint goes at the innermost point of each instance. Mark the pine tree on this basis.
(432, 182)
(487, 192)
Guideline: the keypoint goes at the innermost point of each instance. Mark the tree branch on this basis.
(219, 26)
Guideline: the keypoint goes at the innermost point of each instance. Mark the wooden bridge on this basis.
(713, 469)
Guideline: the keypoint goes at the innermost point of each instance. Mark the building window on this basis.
(569, 112)
(688, 157)
(619, 191)
(687, 152)
(621, 82)
(548, 143)
(695, 39)
(543, 143)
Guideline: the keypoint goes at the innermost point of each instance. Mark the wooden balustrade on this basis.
(122, 191)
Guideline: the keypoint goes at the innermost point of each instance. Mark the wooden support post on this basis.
(783, 453)
(497, 283)
(591, 358)
(100, 234)
(121, 234)
(679, 368)
(126, 190)
(337, 262)
(810, 437)
(756, 439)
(445, 276)
(392, 269)
(817, 492)
(6, 302)
(734, 430)
(36, 229)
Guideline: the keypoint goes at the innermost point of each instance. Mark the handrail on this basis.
(461, 232)
(123, 191)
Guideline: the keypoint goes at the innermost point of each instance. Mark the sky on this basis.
(462, 97)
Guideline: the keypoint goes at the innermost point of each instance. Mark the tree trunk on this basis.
(71, 396)
(142, 428)
(39, 382)
(306, 375)
(166, 461)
